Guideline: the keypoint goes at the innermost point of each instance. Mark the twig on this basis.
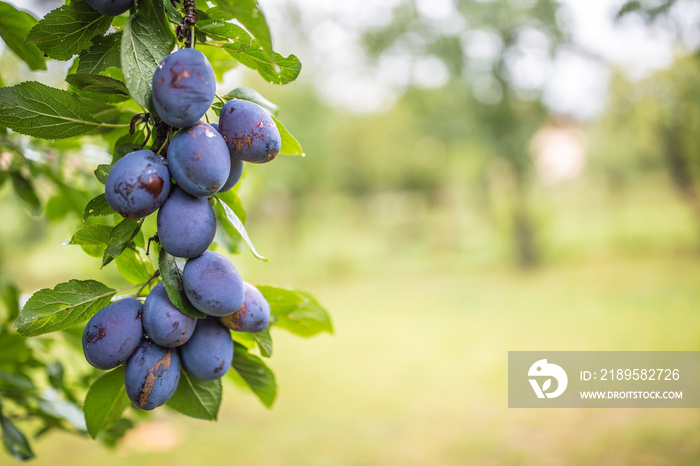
(185, 30)
(155, 275)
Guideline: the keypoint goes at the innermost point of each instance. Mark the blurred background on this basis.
(481, 177)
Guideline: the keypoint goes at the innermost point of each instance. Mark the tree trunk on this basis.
(526, 250)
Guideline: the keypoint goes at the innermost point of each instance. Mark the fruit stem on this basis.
(155, 275)
(188, 22)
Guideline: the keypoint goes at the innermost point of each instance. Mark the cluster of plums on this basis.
(154, 339)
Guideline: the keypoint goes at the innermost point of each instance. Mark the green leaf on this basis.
(55, 373)
(108, 89)
(14, 350)
(105, 402)
(296, 311)
(231, 217)
(41, 111)
(245, 93)
(61, 204)
(67, 30)
(244, 338)
(226, 234)
(15, 442)
(102, 172)
(127, 144)
(132, 267)
(66, 305)
(174, 14)
(250, 15)
(20, 381)
(154, 11)
(282, 71)
(231, 33)
(25, 190)
(197, 398)
(264, 341)
(120, 237)
(220, 60)
(93, 239)
(255, 373)
(14, 27)
(9, 295)
(50, 403)
(111, 437)
(103, 54)
(290, 146)
(172, 280)
(143, 46)
(97, 207)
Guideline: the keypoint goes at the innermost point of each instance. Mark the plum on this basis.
(249, 131)
(209, 353)
(199, 160)
(213, 285)
(253, 316)
(112, 335)
(138, 184)
(236, 168)
(151, 375)
(183, 87)
(110, 7)
(163, 322)
(234, 176)
(186, 224)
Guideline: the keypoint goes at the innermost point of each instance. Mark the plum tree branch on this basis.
(185, 30)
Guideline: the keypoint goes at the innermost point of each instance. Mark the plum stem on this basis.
(188, 22)
(155, 275)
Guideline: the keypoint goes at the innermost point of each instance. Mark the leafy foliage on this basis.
(253, 371)
(105, 402)
(236, 223)
(104, 53)
(66, 305)
(44, 112)
(120, 237)
(172, 280)
(142, 49)
(109, 82)
(67, 30)
(250, 15)
(14, 27)
(197, 398)
(297, 311)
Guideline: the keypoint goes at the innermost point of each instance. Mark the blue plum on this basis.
(249, 131)
(209, 353)
(163, 322)
(253, 316)
(213, 285)
(138, 184)
(199, 159)
(236, 168)
(112, 334)
(110, 7)
(234, 176)
(151, 375)
(183, 87)
(186, 224)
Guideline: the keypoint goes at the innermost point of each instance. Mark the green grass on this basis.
(416, 375)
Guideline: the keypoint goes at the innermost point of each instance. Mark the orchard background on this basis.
(481, 177)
